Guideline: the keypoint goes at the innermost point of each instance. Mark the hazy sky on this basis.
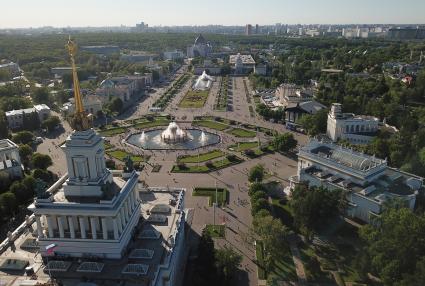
(35, 13)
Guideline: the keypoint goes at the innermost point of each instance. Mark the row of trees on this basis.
(214, 266)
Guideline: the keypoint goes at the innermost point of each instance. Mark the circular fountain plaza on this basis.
(173, 138)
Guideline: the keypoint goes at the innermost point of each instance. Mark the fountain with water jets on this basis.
(203, 138)
(174, 133)
(142, 137)
(173, 138)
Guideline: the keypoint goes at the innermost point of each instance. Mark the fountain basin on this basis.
(154, 140)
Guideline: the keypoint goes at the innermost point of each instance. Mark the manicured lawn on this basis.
(242, 146)
(239, 132)
(222, 195)
(190, 169)
(120, 155)
(216, 165)
(202, 157)
(112, 131)
(216, 231)
(194, 99)
(149, 124)
(210, 124)
(108, 146)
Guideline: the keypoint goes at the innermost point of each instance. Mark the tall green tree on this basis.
(256, 173)
(396, 245)
(41, 161)
(314, 207)
(284, 142)
(227, 262)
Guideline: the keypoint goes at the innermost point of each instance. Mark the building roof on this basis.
(200, 40)
(343, 156)
(246, 59)
(6, 144)
(310, 107)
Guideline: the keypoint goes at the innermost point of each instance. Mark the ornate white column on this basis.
(115, 223)
(39, 228)
(119, 222)
(71, 226)
(104, 228)
(82, 227)
(135, 196)
(50, 225)
(126, 211)
(60, 226)
(93, 227)
(123, 217)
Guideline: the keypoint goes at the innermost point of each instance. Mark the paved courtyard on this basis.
(236, 215)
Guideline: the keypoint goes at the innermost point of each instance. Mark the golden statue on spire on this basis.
(80, 120)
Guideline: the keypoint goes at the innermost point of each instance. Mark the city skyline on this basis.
(98, 13)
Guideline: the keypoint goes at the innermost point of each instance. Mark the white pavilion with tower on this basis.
(89, 212)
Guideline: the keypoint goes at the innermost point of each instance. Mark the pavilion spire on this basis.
(80, 120)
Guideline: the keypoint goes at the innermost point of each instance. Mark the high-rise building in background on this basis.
(248, 29)
(257, 29)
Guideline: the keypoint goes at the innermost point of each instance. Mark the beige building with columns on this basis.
(89, 212)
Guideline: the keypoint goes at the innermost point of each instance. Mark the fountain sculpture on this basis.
(173, 133)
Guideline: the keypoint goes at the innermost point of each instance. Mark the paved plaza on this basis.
(236, 215)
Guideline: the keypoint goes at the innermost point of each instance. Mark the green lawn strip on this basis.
(149, 124)
(216, 231)
(216, 165)
(239, 132)
(194, 99)
(222, 195)
(190, 169)
(259, 253)
(108, 146)
(201, 158)
(120, 155)
(112, 131)
(242, 146)
(210, 124)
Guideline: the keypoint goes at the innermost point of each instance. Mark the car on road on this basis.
(38, 140)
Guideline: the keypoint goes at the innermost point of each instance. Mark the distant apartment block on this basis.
(10, 161)
(15, 118)
(406, 33)
(368, 181)
(248, 29)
